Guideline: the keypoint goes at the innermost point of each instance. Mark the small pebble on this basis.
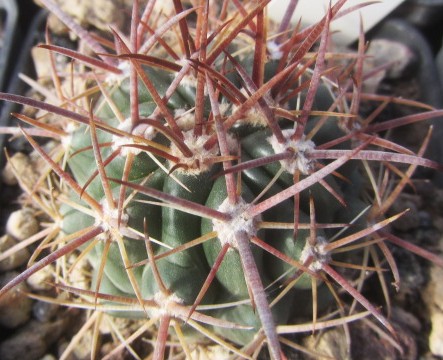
(19, 165)
(82, 350)
(15, 306)
(14, 260)
(61, 352)
(42, 61)
(79, 275)
(42, 279)
(8, 175)
(32, 341)
(44, 311)
(48, 357)
(433, 296)
(22, 224)
(214, 352)
(330, 344)
(99, 13)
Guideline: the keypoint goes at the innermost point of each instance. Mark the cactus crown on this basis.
(221, 173)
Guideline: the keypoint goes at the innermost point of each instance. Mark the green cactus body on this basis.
(184, 273)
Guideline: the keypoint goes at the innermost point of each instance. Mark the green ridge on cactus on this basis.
(184, 273)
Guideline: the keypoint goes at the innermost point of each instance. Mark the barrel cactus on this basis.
(218, 174)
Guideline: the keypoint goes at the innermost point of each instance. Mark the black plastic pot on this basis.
(8, 28)
(422, 13)
(402, 31)
(8, 43)
(21, 64)
(439, 62)
(427, 16)
(429, 84)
